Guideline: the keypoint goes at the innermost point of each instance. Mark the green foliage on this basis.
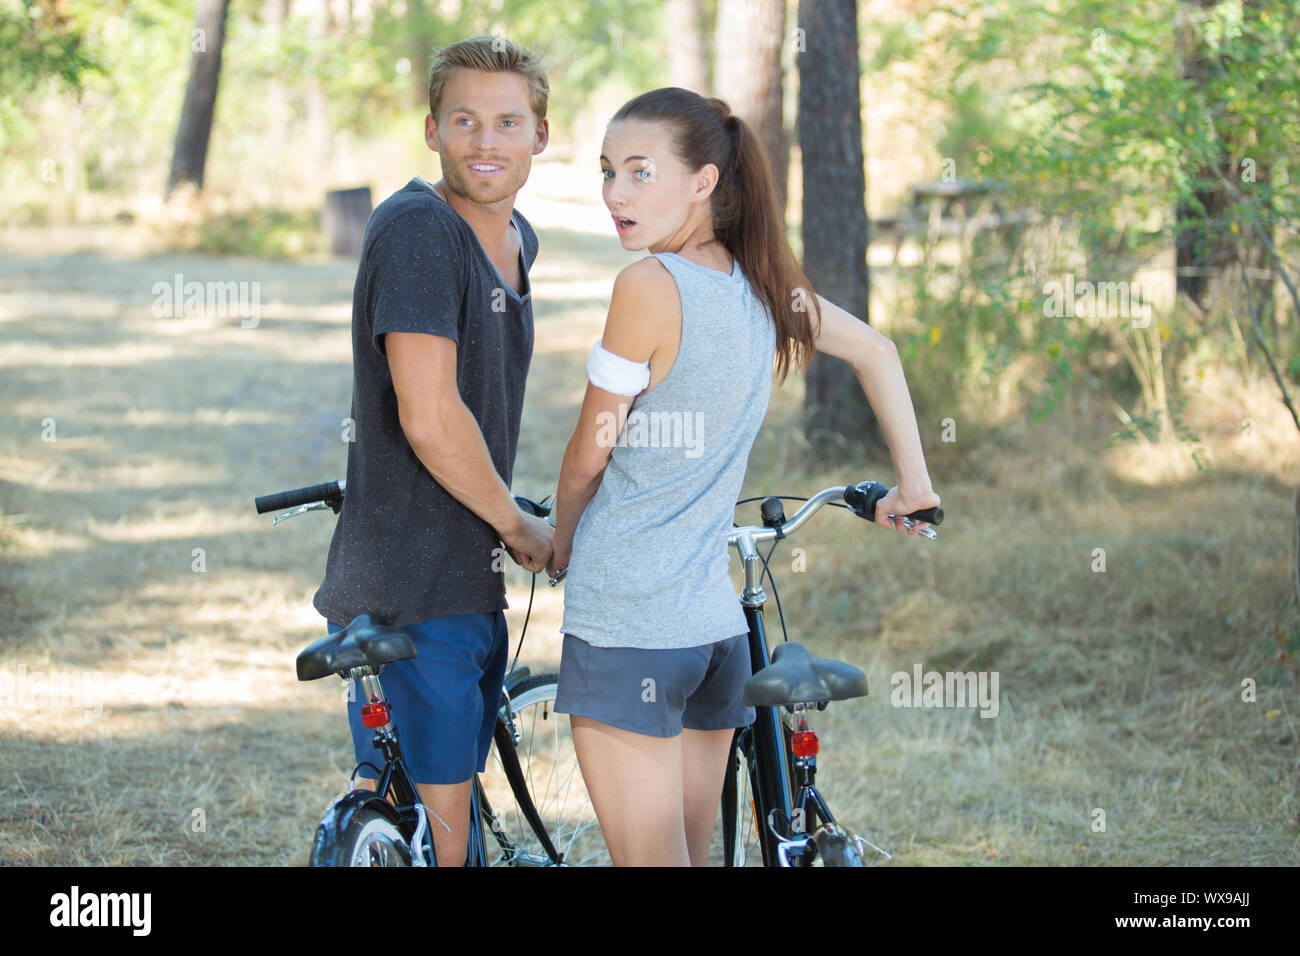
(1081, 111)
(41, 51)
(38, 45)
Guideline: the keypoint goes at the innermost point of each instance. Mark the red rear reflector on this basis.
(804, 743)
(374, 715)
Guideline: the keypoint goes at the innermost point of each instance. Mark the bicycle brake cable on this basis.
(524, 630)
(767, 571)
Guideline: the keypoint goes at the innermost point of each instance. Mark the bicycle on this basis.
(545, 816)
(798, 828)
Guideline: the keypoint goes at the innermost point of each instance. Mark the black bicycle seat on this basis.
(361, 642)
(796, 677)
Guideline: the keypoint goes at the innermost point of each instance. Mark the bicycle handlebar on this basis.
(861, 499)
(331, 493)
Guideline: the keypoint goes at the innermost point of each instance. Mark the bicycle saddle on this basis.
(796, 677)
(361, 642)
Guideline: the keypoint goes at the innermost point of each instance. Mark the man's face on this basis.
(486, 122)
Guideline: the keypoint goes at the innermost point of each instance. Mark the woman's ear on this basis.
(706, 180)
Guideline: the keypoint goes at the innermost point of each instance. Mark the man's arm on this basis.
(447, 439)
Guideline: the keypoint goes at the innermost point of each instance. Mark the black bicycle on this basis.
(530, 808)
(772, 812)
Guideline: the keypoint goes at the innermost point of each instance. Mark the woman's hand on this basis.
(900, 503)
(559, 558)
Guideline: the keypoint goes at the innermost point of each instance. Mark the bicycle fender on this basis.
(339, 814)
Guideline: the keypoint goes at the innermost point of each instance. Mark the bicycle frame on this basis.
(767, 741)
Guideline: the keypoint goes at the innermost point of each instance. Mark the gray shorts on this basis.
(656, 692)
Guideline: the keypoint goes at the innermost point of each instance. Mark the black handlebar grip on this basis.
(862, 498)
(532, 507)
(329, 492)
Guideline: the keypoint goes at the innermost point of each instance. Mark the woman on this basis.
(655, 655)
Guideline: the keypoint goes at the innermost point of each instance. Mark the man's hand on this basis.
(530, 543)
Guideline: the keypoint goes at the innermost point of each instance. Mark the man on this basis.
(442, 337)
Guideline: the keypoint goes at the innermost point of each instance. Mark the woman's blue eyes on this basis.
(646, 171)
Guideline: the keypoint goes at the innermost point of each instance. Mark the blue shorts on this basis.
(444, 700)
(656, 692)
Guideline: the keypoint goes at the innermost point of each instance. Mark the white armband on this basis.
(616, 374)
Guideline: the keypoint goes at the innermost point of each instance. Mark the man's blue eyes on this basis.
(467, 119)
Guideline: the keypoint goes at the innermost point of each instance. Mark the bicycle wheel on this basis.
(369, 839)
(550, 769)
(740, 839)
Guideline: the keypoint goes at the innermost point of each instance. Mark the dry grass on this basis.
(1119, 690)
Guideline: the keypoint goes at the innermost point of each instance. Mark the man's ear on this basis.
(431, 132)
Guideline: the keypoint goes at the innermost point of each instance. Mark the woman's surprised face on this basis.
(649, 193)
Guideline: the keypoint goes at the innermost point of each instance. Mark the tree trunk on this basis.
(836, 415)
(278, 93)
(422, 50)
(190, 153)
(748, 40)
(1206, 257)
(687, 65)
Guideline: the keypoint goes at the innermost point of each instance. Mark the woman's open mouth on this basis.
(623, 225)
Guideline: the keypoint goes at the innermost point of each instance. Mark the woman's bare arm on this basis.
(875, 361)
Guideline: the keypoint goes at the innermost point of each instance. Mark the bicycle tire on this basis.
(745, 849)
(369, 839)
(554, 779)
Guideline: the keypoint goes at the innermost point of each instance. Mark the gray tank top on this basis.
(649, 567)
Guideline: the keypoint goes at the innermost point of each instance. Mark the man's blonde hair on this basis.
(493, 54)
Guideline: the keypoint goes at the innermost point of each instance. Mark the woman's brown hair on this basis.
(746, 219)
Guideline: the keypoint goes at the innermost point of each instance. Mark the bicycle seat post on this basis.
(804, 746)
